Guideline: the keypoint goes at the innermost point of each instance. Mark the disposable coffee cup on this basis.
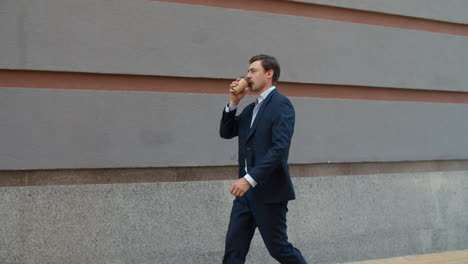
(243, 83)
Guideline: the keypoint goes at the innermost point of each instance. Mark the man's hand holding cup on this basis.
(237, 90)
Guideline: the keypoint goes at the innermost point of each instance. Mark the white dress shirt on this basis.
(259, 100)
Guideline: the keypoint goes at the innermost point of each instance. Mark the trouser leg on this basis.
(271, 222)
(240, 232)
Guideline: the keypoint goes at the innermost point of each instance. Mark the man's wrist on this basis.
(250, 180)
(230, 109)
(232, 104)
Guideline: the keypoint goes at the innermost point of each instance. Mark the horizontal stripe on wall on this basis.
(118, 82)
(429, 9)
(182, 174)
(335, 13)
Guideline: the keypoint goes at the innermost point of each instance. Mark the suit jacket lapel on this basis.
(250, 112)
(260, 112)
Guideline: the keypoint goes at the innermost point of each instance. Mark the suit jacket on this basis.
(265, 145)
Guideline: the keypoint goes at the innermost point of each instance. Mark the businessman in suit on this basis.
(264, 130)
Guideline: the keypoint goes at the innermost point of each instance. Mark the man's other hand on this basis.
(240, 187)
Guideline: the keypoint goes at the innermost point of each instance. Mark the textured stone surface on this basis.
(335, 219)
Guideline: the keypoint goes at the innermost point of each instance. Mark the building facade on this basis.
(109, 115)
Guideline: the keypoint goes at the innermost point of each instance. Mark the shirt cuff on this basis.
(229, 109)
(250, 180)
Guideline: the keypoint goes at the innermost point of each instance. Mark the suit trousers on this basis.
(248, 214)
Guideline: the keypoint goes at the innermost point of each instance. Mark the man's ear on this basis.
(270, 73)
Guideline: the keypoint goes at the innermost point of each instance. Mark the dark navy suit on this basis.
(265, 147)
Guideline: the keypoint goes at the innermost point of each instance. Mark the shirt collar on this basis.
(264, 95)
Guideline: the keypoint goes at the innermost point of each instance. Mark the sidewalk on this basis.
(452, 257)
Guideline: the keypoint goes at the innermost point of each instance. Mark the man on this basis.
(264, 187)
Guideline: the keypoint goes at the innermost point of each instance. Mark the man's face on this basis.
(258, 77)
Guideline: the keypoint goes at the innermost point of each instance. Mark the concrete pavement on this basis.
(452, 257)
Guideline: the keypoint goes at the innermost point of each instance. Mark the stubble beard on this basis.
(257, 87)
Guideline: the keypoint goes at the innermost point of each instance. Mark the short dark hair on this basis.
(268, 63)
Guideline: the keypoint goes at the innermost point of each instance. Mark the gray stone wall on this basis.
(334, 219)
